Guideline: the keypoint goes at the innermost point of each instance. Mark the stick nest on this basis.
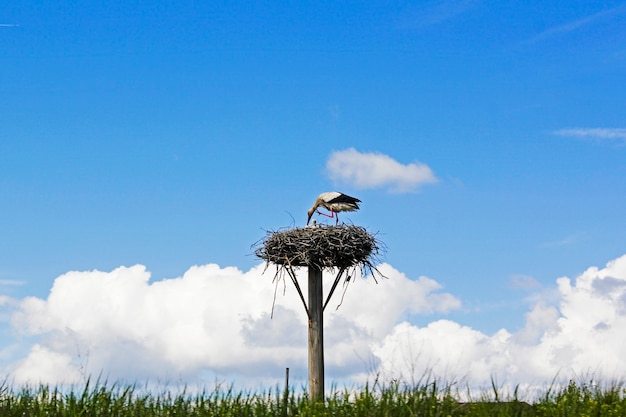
(324, 247)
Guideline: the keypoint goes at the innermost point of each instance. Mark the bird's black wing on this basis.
(346, 199)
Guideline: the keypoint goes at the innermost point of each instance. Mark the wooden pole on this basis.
(316, 335)
(286, 396)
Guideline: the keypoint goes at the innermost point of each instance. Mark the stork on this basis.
(334, 202)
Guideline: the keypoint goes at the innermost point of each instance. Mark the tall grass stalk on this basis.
(429, 399)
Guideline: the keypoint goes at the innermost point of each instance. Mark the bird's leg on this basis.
(331, 215)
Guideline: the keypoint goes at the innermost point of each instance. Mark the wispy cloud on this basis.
(8, 25)
(579, 23)
(431, 14)
(594, 133)
(377, 170)
(565, 241)
(524, 282)
(11, 282)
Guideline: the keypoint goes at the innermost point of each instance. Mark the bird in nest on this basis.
(334, 202)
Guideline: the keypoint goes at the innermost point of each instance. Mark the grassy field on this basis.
(575, 399)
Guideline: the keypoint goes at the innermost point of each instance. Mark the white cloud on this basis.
(540, 319)
(211, 319)
(374, 170)
(443, 348)
(4, 300)
(597, 133)
(215, 321)
(583, 335)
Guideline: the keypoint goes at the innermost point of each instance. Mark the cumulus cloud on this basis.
(582, 334)
(598, 133)
(375, 170)
(212, 319)
(216, 321)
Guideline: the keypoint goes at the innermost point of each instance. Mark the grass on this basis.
(395, 400)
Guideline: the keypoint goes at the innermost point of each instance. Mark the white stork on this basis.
(334, 202)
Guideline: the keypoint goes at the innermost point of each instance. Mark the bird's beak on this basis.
(309, 218)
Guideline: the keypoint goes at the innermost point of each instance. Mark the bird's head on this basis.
(310, 214)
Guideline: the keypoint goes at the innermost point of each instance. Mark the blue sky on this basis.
(174, 134)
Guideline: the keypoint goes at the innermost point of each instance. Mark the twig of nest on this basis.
(342, 247)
